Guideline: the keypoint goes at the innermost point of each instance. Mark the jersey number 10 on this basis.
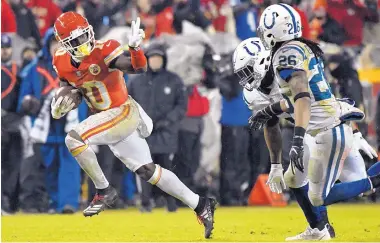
(97, 94)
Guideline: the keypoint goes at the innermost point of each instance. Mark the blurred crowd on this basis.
(200, 119)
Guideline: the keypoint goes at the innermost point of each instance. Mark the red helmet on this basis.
(75, 34)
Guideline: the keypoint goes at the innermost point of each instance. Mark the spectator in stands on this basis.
(26, 24)
(164, 17)
(163, 96)
(45, 12)
(188, 10)
(62, 171)
(325, 28)
(246, 17)
(8, 19)
(220, 13)
(98, 13)
(27, 56)
(351, 14)
(11, 142)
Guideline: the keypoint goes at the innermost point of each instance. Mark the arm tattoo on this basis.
(298, 84)
(273, 140)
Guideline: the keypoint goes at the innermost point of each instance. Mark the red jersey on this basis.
(45, 12)
(103, 88)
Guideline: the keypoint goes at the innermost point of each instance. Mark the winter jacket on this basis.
(26, 24)
(163, 96)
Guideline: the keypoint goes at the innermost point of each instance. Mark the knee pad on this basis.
(315, 199)
(295, 180)
(74, 143)
(155, 178)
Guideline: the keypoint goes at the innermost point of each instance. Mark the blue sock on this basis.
(374, 169)
(344, 191)
(312, 214)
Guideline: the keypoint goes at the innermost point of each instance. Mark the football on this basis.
(70, 91)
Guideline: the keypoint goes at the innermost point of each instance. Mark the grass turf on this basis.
(351, 223)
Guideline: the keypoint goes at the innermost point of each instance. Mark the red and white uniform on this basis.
(117, 117)
(103, 88)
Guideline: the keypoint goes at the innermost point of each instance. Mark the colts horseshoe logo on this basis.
(253, 43)
(274, 15)
(94, 69)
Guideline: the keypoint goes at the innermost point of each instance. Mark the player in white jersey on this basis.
(250, 63)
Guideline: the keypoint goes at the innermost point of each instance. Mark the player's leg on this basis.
(354, 168)
(106, 127)
(325, 169)
(319, 226)
(135, 154)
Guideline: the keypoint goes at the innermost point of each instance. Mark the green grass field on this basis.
(351, 222)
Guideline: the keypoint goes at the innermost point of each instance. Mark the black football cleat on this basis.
(206, 217)
(331, 230)
(101, 201)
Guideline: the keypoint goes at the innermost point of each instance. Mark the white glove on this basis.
(362, 144)
(276, 180)
(137, 34)
(61, 106)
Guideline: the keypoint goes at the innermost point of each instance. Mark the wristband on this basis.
(274, 109)
(138, 59)
(301, 95)
(299, 132)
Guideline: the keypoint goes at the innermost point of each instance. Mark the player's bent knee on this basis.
(146, 172)
(75, 143)
(315, 199)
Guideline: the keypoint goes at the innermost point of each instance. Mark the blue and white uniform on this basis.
(333, 139)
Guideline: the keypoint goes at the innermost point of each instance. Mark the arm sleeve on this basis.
(8, 20)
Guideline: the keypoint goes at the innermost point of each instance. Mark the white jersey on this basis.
(295, 55)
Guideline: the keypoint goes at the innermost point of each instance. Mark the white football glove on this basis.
(363, 145)
(276, 180)
(61, 106)
(137, 34)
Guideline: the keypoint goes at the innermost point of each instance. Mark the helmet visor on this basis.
(249, 79)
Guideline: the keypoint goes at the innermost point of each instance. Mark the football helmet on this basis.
(75, 34)
(279, 22)
(251, 62)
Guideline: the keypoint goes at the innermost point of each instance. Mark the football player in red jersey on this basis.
(96, 69)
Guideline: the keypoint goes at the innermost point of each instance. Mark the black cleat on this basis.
(101, 201)
(206, 217)
(331, 230)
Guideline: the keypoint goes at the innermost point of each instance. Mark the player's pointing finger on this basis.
(137, 26)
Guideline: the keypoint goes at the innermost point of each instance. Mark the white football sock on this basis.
(89, 163)
(171, 184)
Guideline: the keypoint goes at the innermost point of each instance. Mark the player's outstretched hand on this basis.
(363, 145)
(61, 106)
(137, 35)
(276, 181)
